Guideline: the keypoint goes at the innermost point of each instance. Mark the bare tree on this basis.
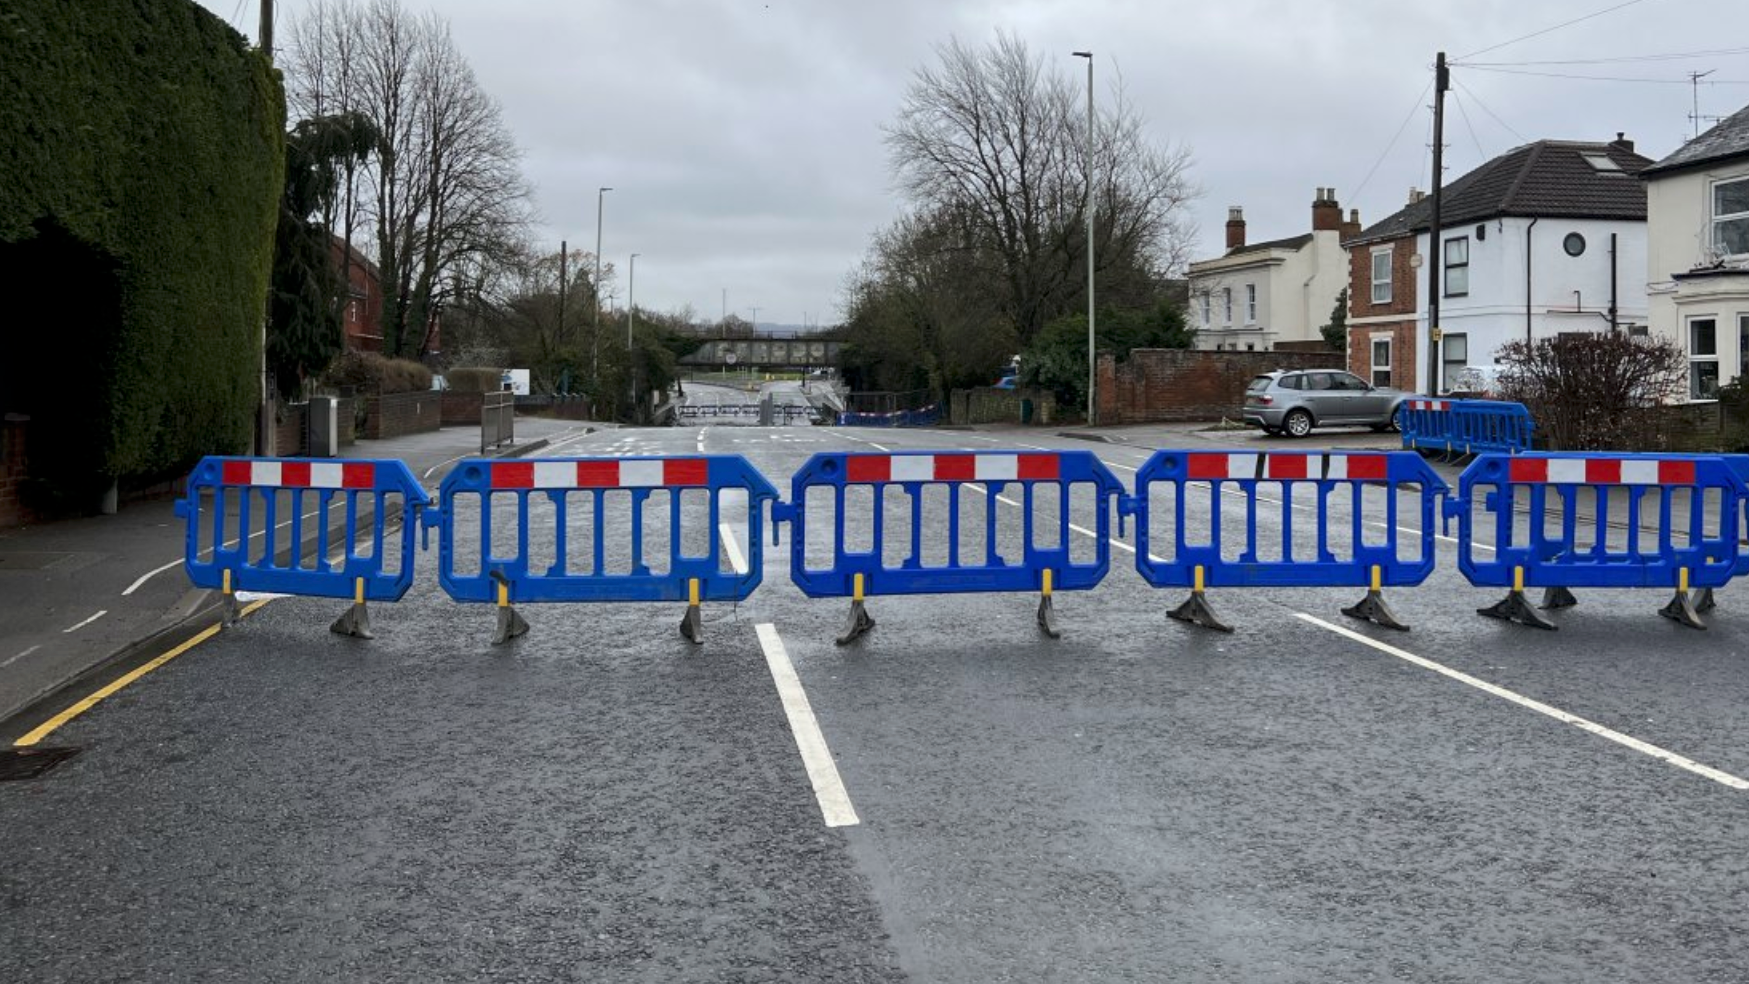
(444, 190)
(1594, 391)
(990, 135)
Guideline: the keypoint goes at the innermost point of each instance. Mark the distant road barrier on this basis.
(1318, 543)
(611, 501)
(1562, 521)
(1465, 427)
(269, 524)
(1025, 541)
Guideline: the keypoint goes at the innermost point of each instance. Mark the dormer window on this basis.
(1730, 233)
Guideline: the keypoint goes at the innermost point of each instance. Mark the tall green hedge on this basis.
(149, 135)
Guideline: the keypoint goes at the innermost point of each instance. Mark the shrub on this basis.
(375, 375)
(474, 379)
(1595, 391)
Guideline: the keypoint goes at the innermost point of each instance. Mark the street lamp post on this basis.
(1090, 313)
(595, 331)
(632, 313)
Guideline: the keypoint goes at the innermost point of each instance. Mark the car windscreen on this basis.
(1258, 384)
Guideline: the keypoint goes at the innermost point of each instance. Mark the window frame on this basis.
(1250, 304)
(1373, 344)
(1449, 266)
(1227, 306)
(1386, 252)
(1208, 309)
(1714, 240)
(1698, 359)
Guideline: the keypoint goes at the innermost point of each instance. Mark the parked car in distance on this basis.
(1293, 401)
(1006, 382)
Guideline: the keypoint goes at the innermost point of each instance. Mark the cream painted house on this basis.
(1697, 278)
(1259, 295)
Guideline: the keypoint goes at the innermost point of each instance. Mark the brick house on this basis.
(1545, 239)
(363, 320)
(1257, 296)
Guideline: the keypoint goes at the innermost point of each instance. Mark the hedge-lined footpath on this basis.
(147, 133)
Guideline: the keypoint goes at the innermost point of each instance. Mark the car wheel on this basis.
(1298, 423)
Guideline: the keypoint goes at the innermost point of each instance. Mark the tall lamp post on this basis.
(631, 313)
(595, 330)
(1090, 356)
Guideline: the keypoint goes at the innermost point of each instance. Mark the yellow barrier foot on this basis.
(233, 611)
(1196, 611)
(1703, 600)
(510, 625)
(692, 626)
(860, 623)
(355, 623)
(1555, 599)
(1047, 618)
(1681, 610)
(1517, 608)
(1373, 609)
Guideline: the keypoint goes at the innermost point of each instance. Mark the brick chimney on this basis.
(1621, 142)
(1416, 195)
(1351, 228)
(1326, 213)
(1235, 227)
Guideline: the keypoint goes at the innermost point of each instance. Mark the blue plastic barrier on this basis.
(246, 544)
(1041, 478)
(1465, 427)
(1297, 495)
(1697, 510)
(927, 416)
(507, 580)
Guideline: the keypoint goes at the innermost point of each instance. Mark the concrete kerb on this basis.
(198, 609)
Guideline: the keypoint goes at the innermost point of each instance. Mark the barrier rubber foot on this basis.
(1555, 599)
(1703, 600)
(860, 623)
(355, 622)
(1373, 609)
(1681, 610)
(1047, 618)
(692, 626)
(1196, 611)
(1517, 608)
(510, 625)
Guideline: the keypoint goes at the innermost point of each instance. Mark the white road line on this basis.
(143, 578)
(149, 575)
(863, 440)
(1627, 741)
(816, 757)
(737, 559)
(440, 464)
(81, 625)
(13, 659)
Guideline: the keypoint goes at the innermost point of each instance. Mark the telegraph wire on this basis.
(1550, 30)
(1466, 90)
(1603, 78)
(1416, 105)
(1668, 56)
(1472, 128)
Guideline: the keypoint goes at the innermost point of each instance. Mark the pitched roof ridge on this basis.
(1524, 172)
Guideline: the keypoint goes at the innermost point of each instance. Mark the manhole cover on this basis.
(29, 763)
(29, 560)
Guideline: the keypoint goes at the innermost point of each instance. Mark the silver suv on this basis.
(1295, 401)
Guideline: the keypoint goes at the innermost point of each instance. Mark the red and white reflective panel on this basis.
(301, 474)
(952, 467)
(1600, 471)
(1430, 405)
(1287, 467)
(601, 473)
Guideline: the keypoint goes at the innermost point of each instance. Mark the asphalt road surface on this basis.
(1308, 799)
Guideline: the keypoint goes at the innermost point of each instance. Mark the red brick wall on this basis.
(1405, 287)
(290, 431)
(461, 409)
(399, 414)
(12, 470)
(1182, 384)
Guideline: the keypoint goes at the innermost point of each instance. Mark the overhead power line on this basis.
(1550, 30)
(1394, 138)
(1605, 78)
(1668, 56)
(1466, 90)
(1470, 127)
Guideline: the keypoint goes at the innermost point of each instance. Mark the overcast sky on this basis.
(743, 137)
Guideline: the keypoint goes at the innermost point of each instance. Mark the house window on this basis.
(1381, 362)
(1703, 359)
(1455, 352)
(1250, 304)
(1731, 217)
(1207, 318)
(1381, 276)
(1227, 303)
(1457, 266)
(1743, 348)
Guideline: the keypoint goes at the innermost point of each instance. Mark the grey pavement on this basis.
(1137, 801)
(82, 592)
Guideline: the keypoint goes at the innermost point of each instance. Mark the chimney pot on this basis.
(1326, 213)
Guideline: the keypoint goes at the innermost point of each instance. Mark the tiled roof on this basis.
(1292, 242)
(1730, 138)
(1549, 178)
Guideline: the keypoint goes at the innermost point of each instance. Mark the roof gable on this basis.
(1549, 178)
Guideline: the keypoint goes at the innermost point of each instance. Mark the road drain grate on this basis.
(31, 763)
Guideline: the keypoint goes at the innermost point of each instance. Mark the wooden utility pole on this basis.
(265, 42)
(564, 256)
(264, 429)
(1435, 249)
